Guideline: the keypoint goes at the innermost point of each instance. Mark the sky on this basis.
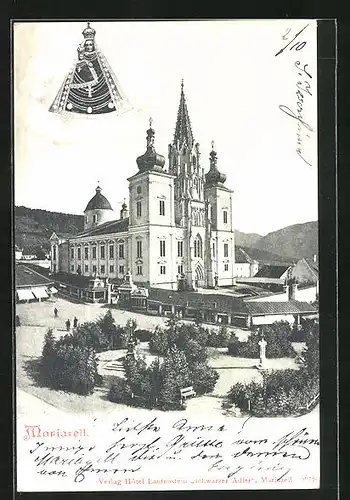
(234, 86)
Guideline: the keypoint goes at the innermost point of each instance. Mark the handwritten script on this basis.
(303, 91)
(132, 450)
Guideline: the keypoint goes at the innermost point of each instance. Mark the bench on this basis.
(187, 392)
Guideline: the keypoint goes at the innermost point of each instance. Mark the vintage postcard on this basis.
(166, 259)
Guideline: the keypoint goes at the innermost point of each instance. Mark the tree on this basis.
(107, 325)
(194, 352)
(175, 375)
(48, 356)
(91, 335)
(310, 357)
(158, 344)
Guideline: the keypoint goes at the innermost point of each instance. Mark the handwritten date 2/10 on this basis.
(299, 45)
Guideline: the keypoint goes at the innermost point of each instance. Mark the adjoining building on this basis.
(269, 277)
(18, 252)
(213, 307)
(32, 286)
(245, 266)
(178, 231)
(306, 271)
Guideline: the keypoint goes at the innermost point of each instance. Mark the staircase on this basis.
(115, 366)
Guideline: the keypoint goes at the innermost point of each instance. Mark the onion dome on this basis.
(214, 177)
(150, 160)
(98, 202)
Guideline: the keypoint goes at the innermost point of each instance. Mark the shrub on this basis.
(203, 378)
(69, 364)
(220, 338)
(249, 349)
(282, 393)
(119, 391)
(278, 338)
(143, 335)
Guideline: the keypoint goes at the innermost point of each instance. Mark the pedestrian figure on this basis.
(18, 321)
(75, 322)
(68, 325)
(55, 311)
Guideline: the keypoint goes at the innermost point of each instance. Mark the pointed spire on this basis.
(183, 131)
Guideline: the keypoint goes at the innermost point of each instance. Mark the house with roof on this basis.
(177, 231)
(270, 277)
(18, 252)
(245, 266)
(306, 271)
(31, 286)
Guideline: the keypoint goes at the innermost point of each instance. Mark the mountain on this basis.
(295, 242)
(246, 239)
(33, 227)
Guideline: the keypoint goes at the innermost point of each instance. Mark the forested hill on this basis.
(33, 227)
(296, 241)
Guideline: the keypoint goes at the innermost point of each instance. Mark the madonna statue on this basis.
(90, 87)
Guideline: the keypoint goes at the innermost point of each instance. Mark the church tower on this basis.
(220, 250)
(189, 202)
(151, 220)
(184, 163)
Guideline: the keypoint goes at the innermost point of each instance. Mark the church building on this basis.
(177, 232)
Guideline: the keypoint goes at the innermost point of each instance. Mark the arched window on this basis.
(198, 247)
(194, 161)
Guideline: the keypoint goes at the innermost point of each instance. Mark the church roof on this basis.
(98, 202)
(183, 130)
(114, 226)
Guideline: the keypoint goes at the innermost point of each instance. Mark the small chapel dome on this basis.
(98, 202)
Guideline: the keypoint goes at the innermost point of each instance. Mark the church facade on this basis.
(177, 231)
